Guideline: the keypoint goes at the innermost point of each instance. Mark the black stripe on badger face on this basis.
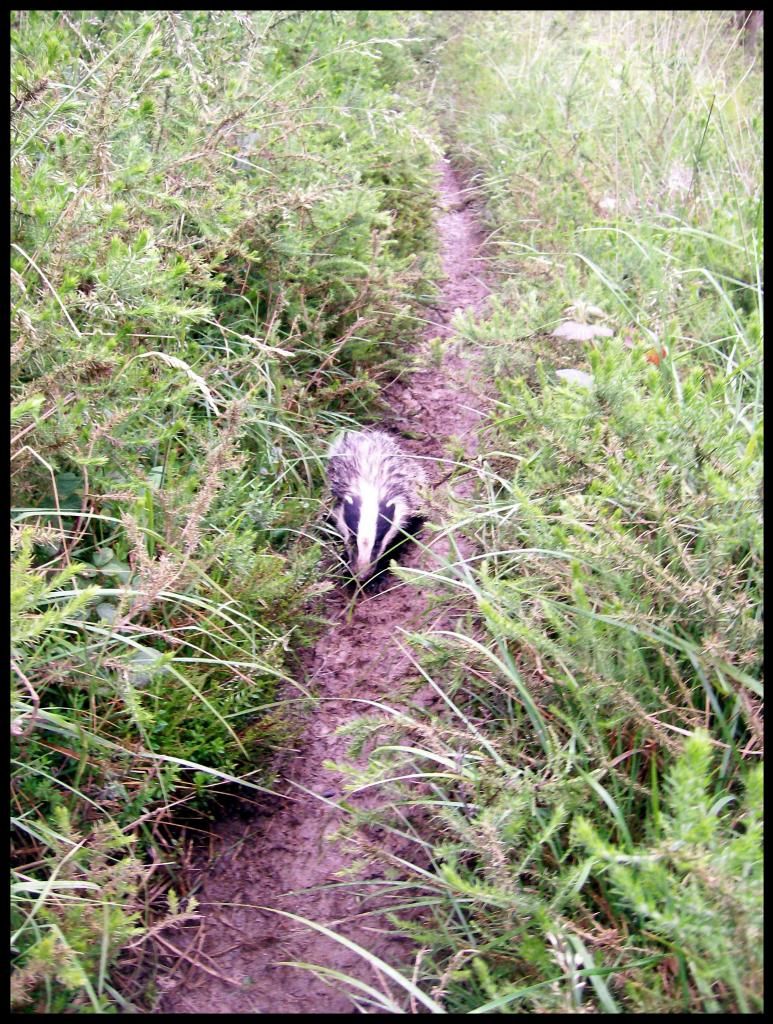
(386, 512)
(352, 509)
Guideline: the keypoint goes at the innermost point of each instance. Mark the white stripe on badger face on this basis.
(366, 533)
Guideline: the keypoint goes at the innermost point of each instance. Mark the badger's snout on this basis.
(362, 565)
(359, 557)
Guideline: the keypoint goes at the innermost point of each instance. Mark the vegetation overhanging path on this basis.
(284, 861)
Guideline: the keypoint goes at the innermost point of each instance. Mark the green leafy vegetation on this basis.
(221, 223)
(593, 786)
(221, 229)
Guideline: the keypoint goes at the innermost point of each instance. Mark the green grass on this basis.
(592, 792)
(221, 225)
(214, 256)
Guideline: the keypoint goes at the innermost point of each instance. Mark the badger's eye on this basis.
(351, 509)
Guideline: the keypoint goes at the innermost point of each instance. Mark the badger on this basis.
(376, 492)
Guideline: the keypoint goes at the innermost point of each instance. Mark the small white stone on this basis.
(585, 380)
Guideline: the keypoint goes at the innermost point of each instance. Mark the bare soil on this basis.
(284, 858)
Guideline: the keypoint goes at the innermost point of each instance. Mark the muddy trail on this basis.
(230, 959)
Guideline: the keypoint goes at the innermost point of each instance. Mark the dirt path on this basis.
(284, 859)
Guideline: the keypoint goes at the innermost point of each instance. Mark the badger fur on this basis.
(377, 505)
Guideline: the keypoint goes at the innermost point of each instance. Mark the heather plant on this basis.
(220, 225)
(695, 888)
(73, 922)
(538, 897)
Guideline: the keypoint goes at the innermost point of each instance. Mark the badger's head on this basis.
(371, 525)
